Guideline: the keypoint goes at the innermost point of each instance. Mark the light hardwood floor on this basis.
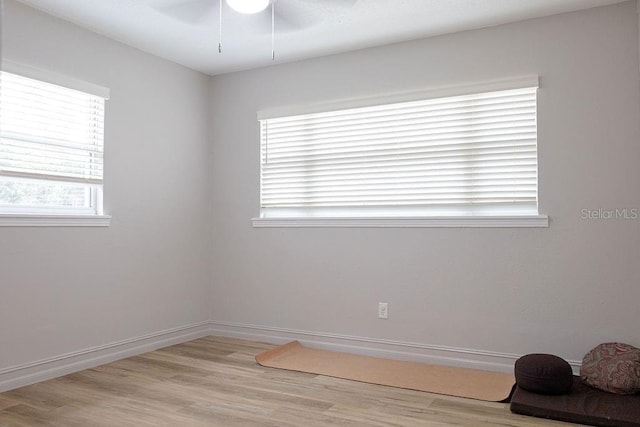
(216, 382)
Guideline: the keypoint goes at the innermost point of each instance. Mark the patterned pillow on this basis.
(612, 367)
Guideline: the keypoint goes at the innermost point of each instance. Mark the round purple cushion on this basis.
(612, 367)
(544, 374)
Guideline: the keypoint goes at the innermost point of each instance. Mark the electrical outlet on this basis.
(383, 310)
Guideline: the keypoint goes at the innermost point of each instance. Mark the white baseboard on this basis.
(30, 373)
(416, 352)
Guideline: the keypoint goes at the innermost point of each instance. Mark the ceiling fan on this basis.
(290, 15)
(287, 15)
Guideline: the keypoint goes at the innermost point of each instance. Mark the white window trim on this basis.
(45, 219)
(416, 95)
(54, 78)
(28, 220)
(480, 221)
(531, 221)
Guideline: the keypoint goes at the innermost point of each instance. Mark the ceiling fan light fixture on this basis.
(248, 6)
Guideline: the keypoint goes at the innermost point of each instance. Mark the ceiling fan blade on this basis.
(307, 12)
(261, 22)
(293, 15)
(189, 11)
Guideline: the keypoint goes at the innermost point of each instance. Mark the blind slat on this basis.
(49, 131)
(462, 150)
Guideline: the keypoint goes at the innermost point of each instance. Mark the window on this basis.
(51, 148)
(464, 156)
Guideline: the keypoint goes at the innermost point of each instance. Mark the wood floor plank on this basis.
(6, 403)
(215, 381)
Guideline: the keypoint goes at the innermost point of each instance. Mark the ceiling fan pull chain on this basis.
(273, 29)
(220, 29)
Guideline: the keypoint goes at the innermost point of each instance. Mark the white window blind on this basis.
(460, 155)
(51, 147)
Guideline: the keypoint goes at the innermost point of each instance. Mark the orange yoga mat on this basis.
(470, 383)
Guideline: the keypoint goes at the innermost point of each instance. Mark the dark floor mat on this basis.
(584, 405)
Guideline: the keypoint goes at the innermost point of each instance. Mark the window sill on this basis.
(409, 222)
(24, 220)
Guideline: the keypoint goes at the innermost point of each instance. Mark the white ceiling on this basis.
(186, 31)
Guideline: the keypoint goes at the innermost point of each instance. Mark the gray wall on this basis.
(182, 184)
(69, 289)
(562, 289)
